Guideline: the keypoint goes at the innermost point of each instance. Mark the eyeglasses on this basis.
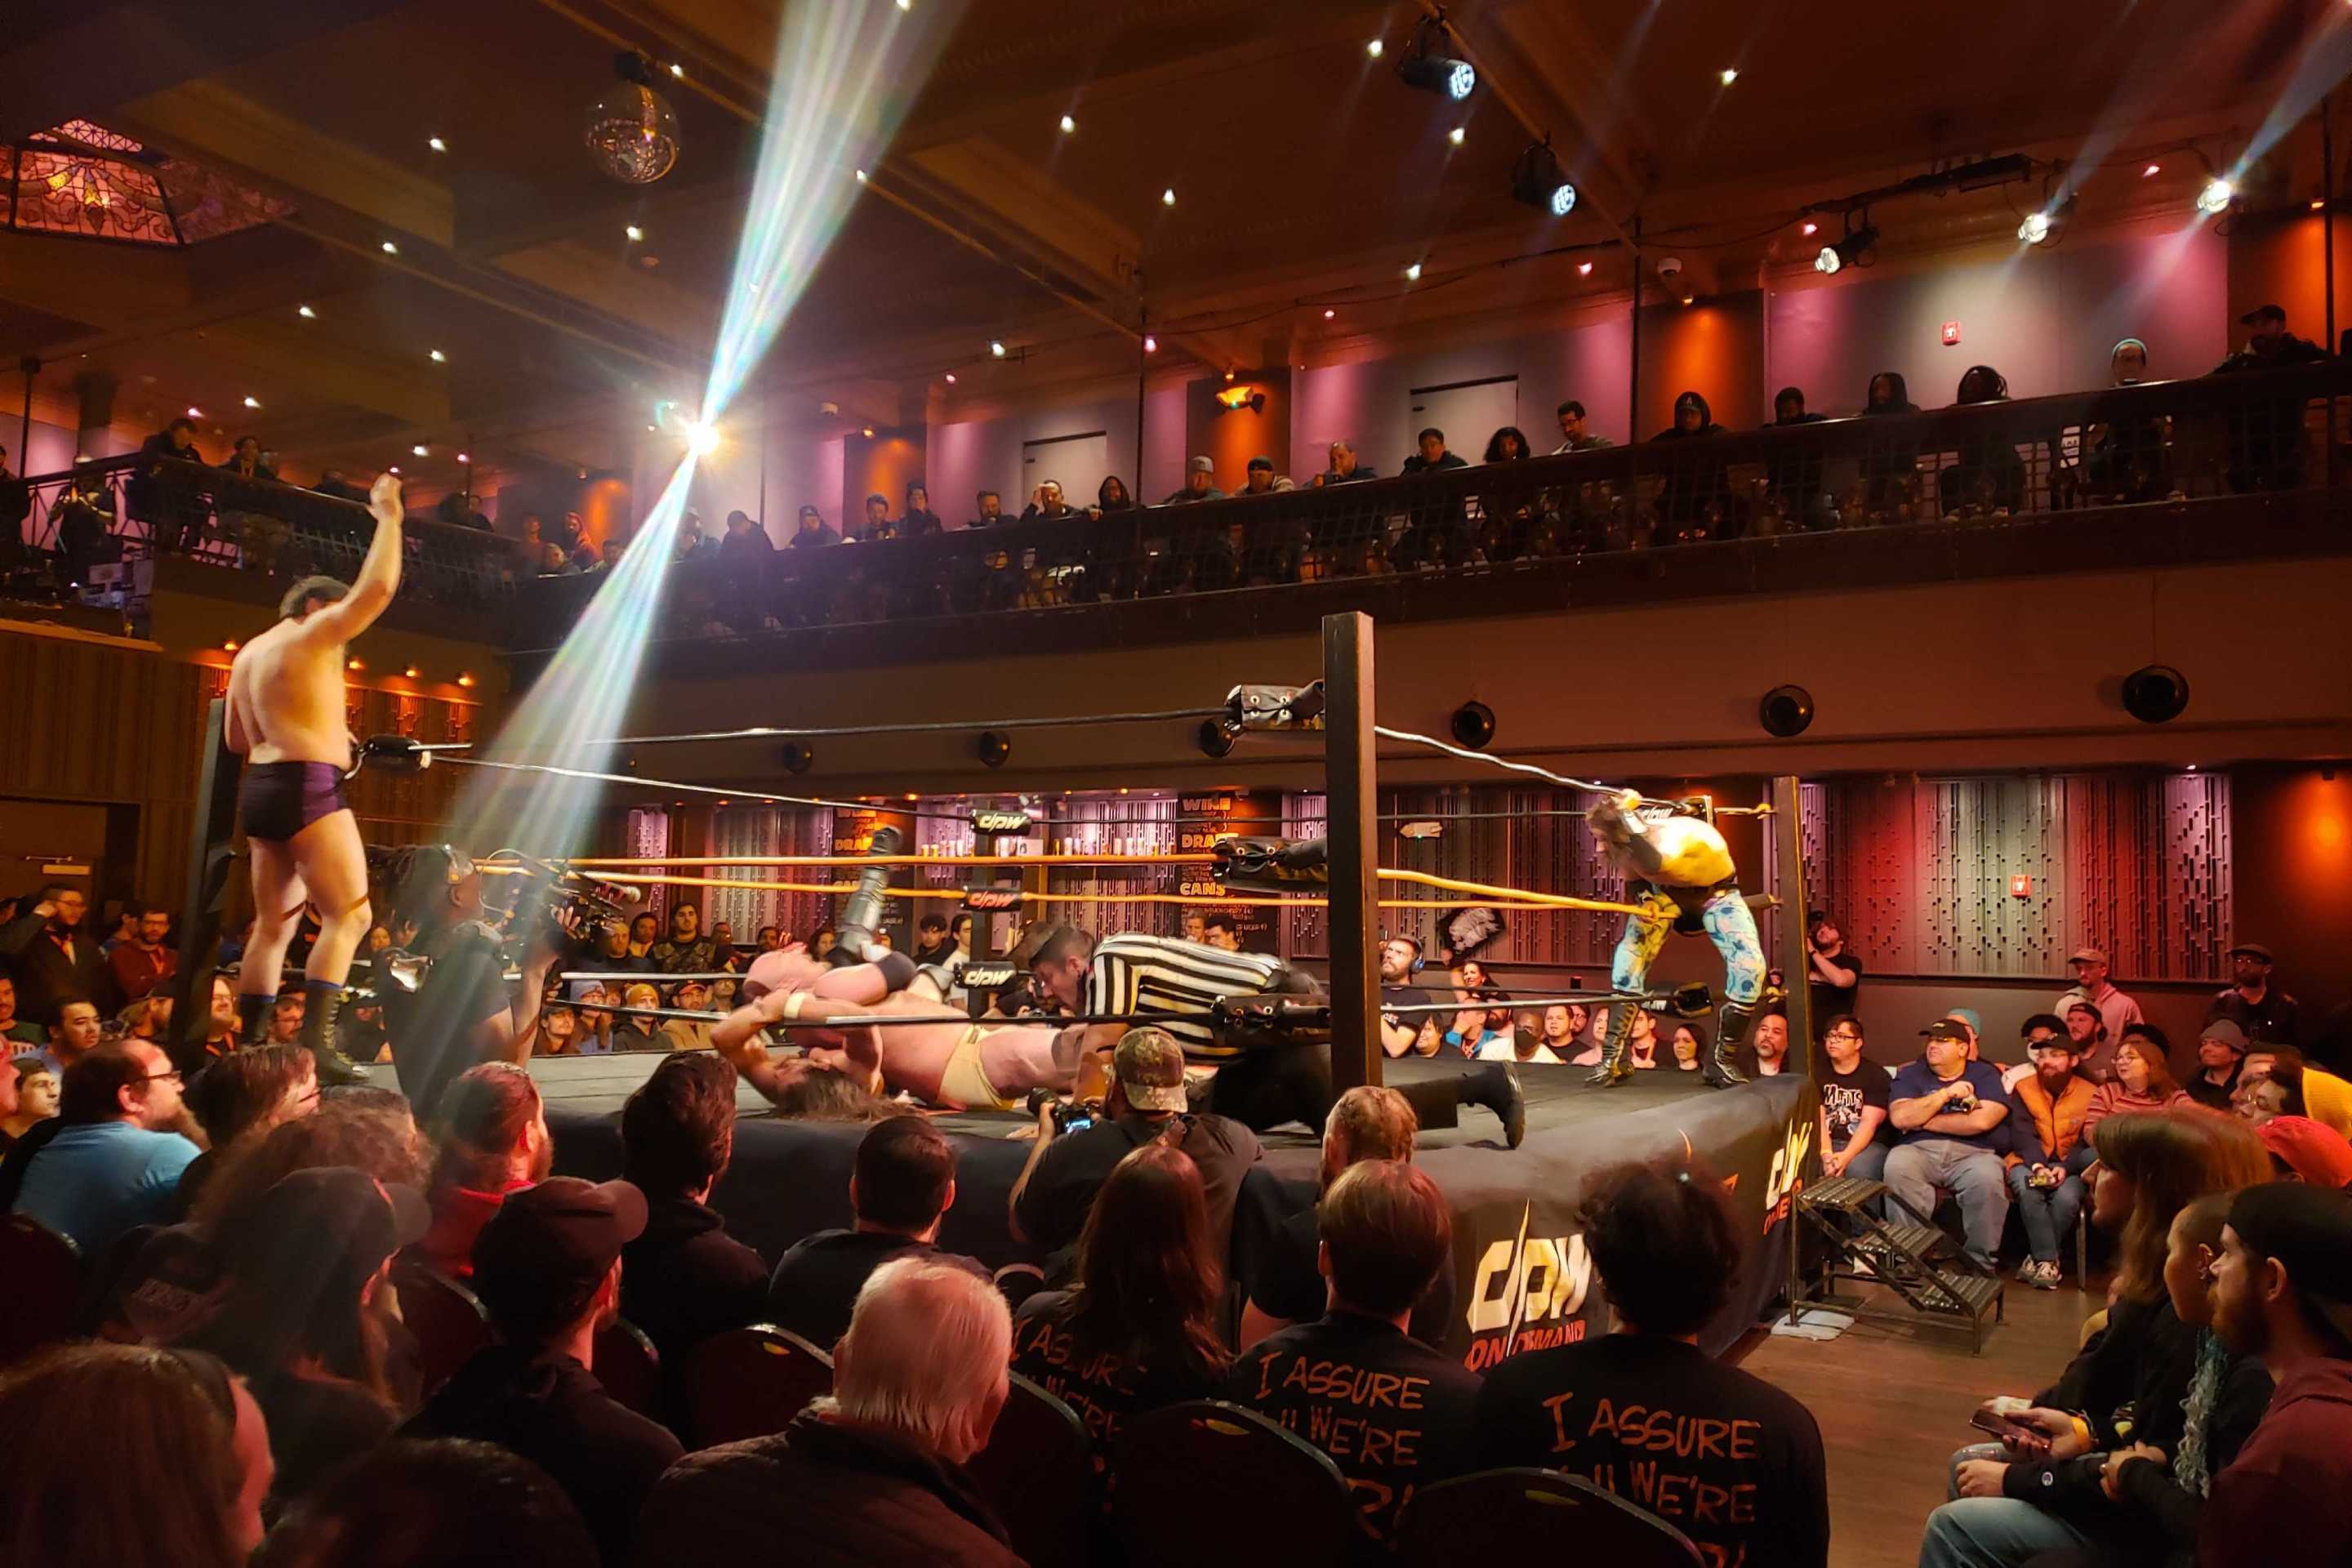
(1843, 1035)
(158, 1076)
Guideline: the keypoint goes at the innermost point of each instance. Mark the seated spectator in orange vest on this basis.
(548, 1267)
(1138, 1327)
(1394, 1414)
(495, 1142)
(1667, 1248)
(900, 1189)
(874, 1476)
(2048, 1155)
(686, 1277)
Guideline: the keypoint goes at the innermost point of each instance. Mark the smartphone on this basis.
(2016, 1436)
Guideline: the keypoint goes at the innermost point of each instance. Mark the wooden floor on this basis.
(1894, 1402)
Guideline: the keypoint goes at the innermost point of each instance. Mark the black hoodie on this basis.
(1707, 425)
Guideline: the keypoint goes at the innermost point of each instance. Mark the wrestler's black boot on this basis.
(1731, 1033)
(1496, 1086)
(321, 1000)
(1616, 1047)
(253, 1019)
(861, 912)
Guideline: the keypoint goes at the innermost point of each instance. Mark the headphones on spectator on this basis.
(1419, 962)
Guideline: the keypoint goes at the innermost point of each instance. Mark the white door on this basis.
(1079, 462)
(1468, 412)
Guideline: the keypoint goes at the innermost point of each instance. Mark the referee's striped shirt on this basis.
(1151, 975)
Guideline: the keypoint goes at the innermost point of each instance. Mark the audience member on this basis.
(1508, 444)
(1048, 503)
(1346, 469)
(1666, 1250)
(450, 1503)
(931, 943)
(1431, 455)
(369, 1129)
(548, 1267)
(2317, 1093)
(1694, 490)
(872, 1476)
(1200, 483)
(310, 1318)
(2302, 1150)
(1855, 1097)
(2113, 1006)
(901, 1188)
(685, 950)
(1400, 1032)
(1112, 495)
(1392, 1413)
(13, 1025)
(129, 1457)
(1147, 1100)
(243, 1096)
(1989, 475)
(1835, 981)
(686, 1277)
(2259, 1009)
(812, 530)
(1573, 435)
(635, 1029)
(1686, 1043)
(1767, 1043)
(74, 1032)
(991, 511)
(2048, 1155)
(2283, 1292)
(878, 526)
(687, 1034)
(1137, 1328)
(47, 953)
(136, 966)
(1946, 1110)
(117, 1155)
(2221, 1055)
(494, 1141)
(2143, 1079)
(1284, 1284)
(33, 1088)
(1221, 931)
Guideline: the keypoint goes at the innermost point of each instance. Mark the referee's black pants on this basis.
(1274, 1084)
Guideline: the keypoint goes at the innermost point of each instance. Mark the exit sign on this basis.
(1951, 334)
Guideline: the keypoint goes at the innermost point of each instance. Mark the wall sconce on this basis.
(1234, 398)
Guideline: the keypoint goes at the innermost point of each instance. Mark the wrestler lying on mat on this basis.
(959, 1065)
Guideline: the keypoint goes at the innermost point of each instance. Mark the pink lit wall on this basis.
(972, 455)
(2046, 319)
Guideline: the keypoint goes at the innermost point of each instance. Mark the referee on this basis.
(1171, 983)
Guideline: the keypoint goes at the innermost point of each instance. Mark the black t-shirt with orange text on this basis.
(1722, 1456)
(1394, 1414)
(1105, 1387)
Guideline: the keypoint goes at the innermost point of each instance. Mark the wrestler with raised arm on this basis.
(286, 719)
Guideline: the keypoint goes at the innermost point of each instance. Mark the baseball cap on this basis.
(1946, 1030)
(2312, 1150)
(564, 1233)
(2263, 312)
(2075, 1000)
(1261, 461)
(2309, 1230)
(1202, 466)
(2252, 950)
(1968, 1016)
(1149, 1067)
(2088, 955)
(2228, 1033)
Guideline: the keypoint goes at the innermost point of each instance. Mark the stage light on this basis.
(1537, 180)
(307, 313)
(2318, 203)
(2217, 195)
(393, 469)
(253, 403)
(2155, 693)
(1456, 135)
(1690, 299)
(1150, 345)
(1329, 315)
(418, 451)
(230, 645)
(1168, 197)
(2151, 171)
(465, 677)
(1375, 49)
(1785, 710)
(996, 348)
(701, 439)
(390, 249)
(437, 144)
(437, 356)
(799, 757)
(1472, 725)
(195, 412)
(1847, 252)
(2035, 229)
(411, 672)
(993, 748)
(861, 176)
(1726, 76)
(1068, 125)
(1584, 270)
(465, 456)
(1229, 375)
(1413, 273)
(1216, 738)
(867, 431)
(1457, 79)
(676, 69)
(634, 233)
(353, 664)
(951, 378)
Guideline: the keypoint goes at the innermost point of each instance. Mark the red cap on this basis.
(2312, 1150)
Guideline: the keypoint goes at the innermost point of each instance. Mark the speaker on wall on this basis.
(2155, 692)
(1785, 710)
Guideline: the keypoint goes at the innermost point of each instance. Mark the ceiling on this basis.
(1306, 180)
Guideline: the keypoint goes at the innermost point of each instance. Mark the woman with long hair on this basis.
(494, 1139)
(2130, 1384)
(1138, 1329)
(126, 1456)
(2143, 1079)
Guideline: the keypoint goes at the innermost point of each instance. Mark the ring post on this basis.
(1795, 953)
(1349, 770)
(211, 862)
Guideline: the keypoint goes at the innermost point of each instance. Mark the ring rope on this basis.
(1056, 1020)
(1586, 785)
(895, 861)
(928, 727)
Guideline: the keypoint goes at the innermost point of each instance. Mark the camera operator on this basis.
(463, 1010)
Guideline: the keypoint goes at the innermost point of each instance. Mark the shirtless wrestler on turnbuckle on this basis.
(286, 719)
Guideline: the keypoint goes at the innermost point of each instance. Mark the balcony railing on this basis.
(137, 506)
(2174, 444)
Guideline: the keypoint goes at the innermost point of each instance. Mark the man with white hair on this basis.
(874, 1474)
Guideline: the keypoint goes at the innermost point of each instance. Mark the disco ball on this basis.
(633, 133)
